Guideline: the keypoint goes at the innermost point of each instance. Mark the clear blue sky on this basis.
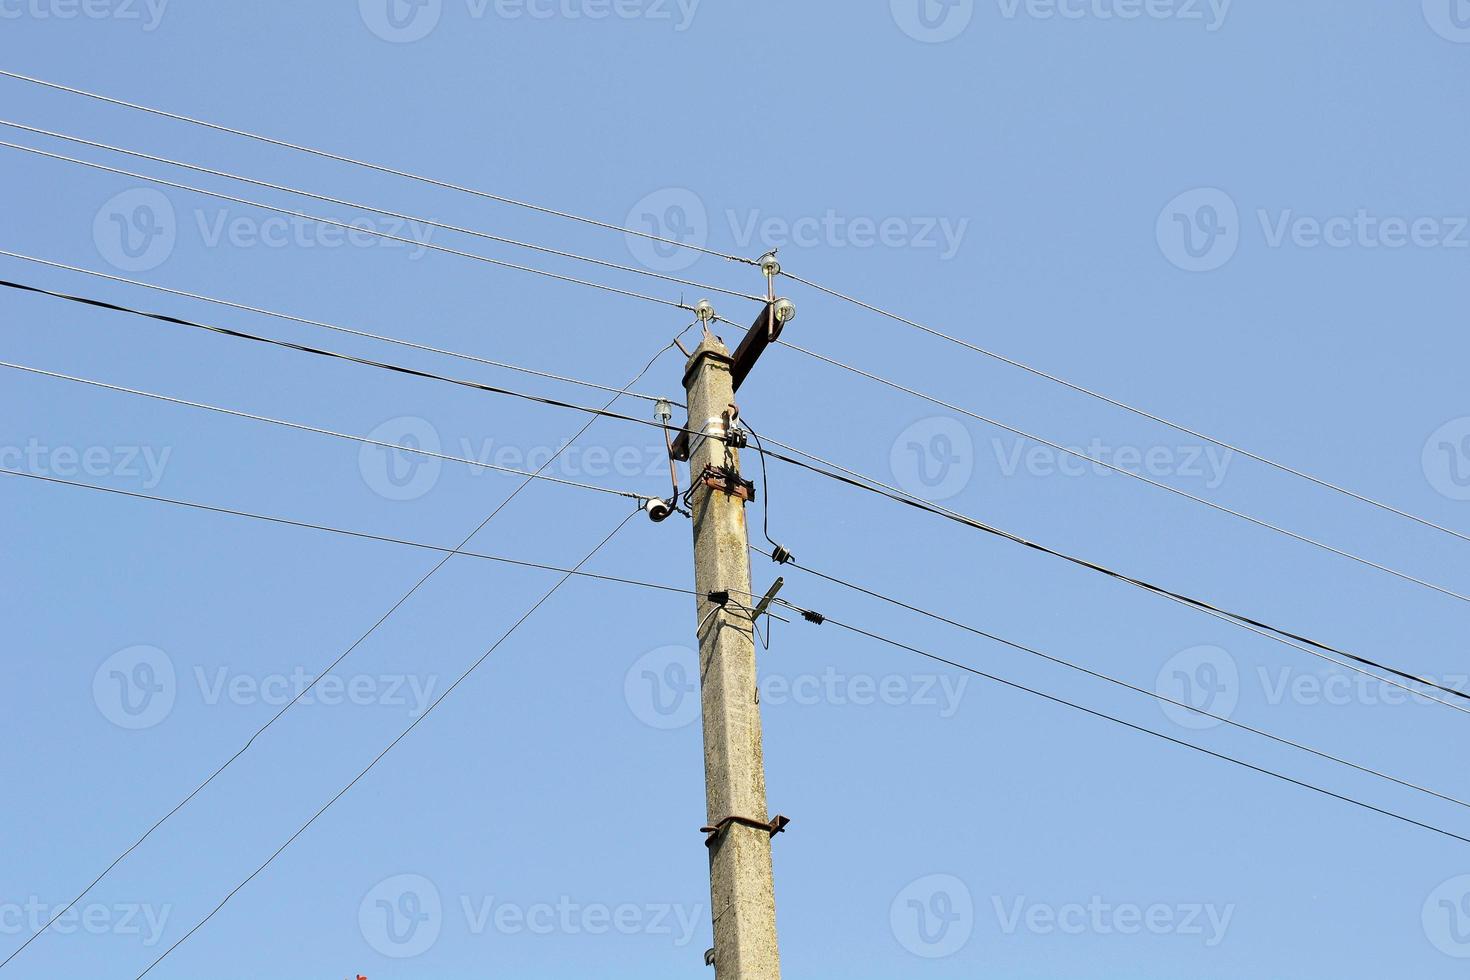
(1020, 174)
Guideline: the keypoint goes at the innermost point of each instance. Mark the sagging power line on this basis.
(1113, 467)
(380, 168)
(1133, 409)
(327, 199)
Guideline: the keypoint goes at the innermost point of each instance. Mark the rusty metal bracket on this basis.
(777, 825)
(727, 482)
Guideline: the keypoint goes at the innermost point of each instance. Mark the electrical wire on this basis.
(307, 689)
(765, 487)
(380, 168)
(347, 225)
(937, 617)
(379, 757)
(1141, 728)
(300, 427)
(1306, 645)
(1128, 473)
(1141, 413)
(323, 352)
(315, 323)
(413, 219)
(361, 535)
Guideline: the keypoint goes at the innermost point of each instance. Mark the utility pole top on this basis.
(762, 333)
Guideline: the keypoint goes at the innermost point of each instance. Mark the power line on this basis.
(1141, 413)
(1127, 472)
(325, 432)
(326, 155)
(937, 617)
(327, 670)
(316, 323)
(619, 267)
(351, 227)
(323, 352)
(328, 326)
(1309, 646)
(1140, 728)
(378, 758)
(362, 535)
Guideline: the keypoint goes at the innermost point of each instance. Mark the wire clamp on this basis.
(777, 825)
(728, 482)
(781, 556)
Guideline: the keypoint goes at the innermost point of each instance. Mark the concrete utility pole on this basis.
(742, 890)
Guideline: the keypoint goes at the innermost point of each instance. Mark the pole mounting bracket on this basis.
(728, 482)
(776, 825)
